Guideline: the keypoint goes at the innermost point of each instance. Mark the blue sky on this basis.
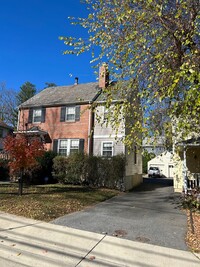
(30, 49)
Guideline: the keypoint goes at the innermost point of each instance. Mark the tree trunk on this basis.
(21, 183)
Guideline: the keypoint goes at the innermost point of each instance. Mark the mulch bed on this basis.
(193, 233)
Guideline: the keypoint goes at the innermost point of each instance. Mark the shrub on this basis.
(145, 158)
(4, 169)
(59, 168)
(42, 171)
(90, 170)
(74, 168)
(192, 200)
(46, 165)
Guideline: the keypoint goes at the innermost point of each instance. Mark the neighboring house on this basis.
(4, 131)
(165, 163)
(187, 164)
(61, 116)
(154, 145)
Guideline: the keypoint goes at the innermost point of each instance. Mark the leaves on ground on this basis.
(48, 202)
(193, 233)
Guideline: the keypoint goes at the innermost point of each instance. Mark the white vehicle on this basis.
(153, 172)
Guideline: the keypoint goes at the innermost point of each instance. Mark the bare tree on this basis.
(8, 106)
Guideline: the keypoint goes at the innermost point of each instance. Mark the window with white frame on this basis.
(63, 147)
(70, 113)
(37, 115)
(107, 149)
(74, 146)
(68, 146)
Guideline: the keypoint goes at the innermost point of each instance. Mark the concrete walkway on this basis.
(26, 242)
(149, 214)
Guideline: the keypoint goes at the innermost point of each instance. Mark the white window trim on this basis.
(68, 144)
(105, 119)
(34, 115)
(103, 142)
(74, 107)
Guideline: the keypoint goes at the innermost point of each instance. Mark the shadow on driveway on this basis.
(150, 213)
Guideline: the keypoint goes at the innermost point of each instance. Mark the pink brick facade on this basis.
(60, 129)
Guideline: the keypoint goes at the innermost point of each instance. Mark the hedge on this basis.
(94, 171)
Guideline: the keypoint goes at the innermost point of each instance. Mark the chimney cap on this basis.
(76, 80)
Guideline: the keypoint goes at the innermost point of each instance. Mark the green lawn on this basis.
(47, 202)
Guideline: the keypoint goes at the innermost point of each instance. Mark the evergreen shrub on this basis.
(94, 171)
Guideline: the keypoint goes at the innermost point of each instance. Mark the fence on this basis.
(194, 182)
(4, 155)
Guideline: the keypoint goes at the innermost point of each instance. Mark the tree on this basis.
(49, 85)
(27, 90)
(145, 158)
(8, 105)
(155, 46)
(23, 154)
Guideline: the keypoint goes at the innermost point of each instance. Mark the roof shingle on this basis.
(62, 95)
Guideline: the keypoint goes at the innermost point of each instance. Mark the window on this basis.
(74, 146)
(107, 149)
(70, 113)
(65, 147)
(37, 115)
(62, 149)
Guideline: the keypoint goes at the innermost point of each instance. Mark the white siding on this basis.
(103, 130)
(118, 147)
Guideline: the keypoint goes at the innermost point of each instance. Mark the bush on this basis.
(59, 168)
(4, 169)
(42, 172)
(192, 200)
(90, 170)
(145, 158)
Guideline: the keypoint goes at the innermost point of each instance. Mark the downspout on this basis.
(184, 170)
(89, 130)
(18, 119)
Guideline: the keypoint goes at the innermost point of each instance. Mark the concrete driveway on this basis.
(149, 214)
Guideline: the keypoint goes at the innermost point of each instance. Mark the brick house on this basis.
(62, 118)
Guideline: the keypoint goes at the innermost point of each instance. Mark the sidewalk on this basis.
(26, 242)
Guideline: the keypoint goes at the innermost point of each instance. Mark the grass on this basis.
(48, 202)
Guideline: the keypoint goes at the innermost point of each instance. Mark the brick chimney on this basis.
(103, 76)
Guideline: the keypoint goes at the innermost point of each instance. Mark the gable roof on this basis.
(154, 141)
(194, 141)
(63, 95)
